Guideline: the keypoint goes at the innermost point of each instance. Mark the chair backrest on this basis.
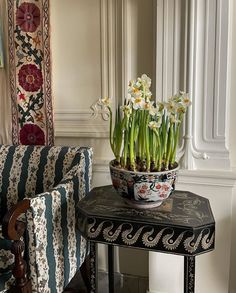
(29, 170)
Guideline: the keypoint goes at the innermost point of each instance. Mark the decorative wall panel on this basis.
(192, 54)
(209, 84)
(94, 78)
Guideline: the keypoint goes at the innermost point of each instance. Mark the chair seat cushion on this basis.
(6, 257)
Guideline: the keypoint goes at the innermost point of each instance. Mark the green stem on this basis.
(158, 162)
(165, 136)
(142, 132)
(147, 145)
(111, 136)
(126, 148)
(176, 139)
(169, 146)
(131, 142)
(152, 146)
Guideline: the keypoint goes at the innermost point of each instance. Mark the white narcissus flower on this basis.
(131, 82)
(134, 91)
(148, 105)
(138, 103)
(186, 101)
(105, 101)
(170, 106)
(173, 119)
(148, 94)
(128, 99)
(126, 109)
(154, 124)
(174, 99)
(138, 84)
(154, 111)
(146, 81)
(180, 108)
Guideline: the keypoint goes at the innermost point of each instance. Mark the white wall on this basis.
(232, 143)
(5, 98)
(232, 135)
(96, 47)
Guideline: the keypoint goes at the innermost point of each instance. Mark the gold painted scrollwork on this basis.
(169, 243)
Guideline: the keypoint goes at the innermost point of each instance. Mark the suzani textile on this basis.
(30, 79)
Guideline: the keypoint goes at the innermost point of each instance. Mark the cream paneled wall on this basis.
(86, 65)
(232, 132)
(180, 44)
(5, 99)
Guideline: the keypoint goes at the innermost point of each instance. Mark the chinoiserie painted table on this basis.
(182, 225)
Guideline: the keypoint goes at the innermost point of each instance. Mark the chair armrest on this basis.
(11, 227)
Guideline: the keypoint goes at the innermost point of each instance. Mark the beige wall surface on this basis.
(232, 120)
(232, 141)
(5, 99)
(77, 84)
(75, 53)
(78, 42)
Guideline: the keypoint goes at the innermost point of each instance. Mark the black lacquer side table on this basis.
(182, 225)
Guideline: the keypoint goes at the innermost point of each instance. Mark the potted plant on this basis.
(144, 138)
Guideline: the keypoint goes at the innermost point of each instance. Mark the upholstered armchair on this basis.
(40, 248)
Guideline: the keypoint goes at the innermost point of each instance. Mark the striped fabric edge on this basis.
(82, 174)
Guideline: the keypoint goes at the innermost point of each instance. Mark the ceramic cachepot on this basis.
(141, 189)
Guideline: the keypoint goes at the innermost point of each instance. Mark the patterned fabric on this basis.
(54, 179)
(30, 78)
(6, 257)
(6, 280)
(6, 262)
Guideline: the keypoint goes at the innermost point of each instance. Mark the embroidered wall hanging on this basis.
(30, 72)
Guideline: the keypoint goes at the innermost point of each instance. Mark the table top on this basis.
(183, 224)
(182, 208)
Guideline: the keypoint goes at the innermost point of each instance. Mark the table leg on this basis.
(93, 268)
(189, 274)
(111, 268)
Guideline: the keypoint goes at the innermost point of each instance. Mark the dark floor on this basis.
(123, 284)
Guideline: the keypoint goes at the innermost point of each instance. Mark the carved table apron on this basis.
(182, 225)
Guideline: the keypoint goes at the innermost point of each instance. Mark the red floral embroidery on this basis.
(30, 78)
(28, 17)
(31, 134)
(22, 97)
(158, 186)
(165, 187)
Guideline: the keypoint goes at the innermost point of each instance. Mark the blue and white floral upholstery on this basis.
(54, 179)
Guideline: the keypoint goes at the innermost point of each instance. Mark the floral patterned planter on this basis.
(143, 190)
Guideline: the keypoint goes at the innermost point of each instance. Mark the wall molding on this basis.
(89, 122)
(191, 38)
(195, 177)
(206, 145)
(80, 123)
(199, 29)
